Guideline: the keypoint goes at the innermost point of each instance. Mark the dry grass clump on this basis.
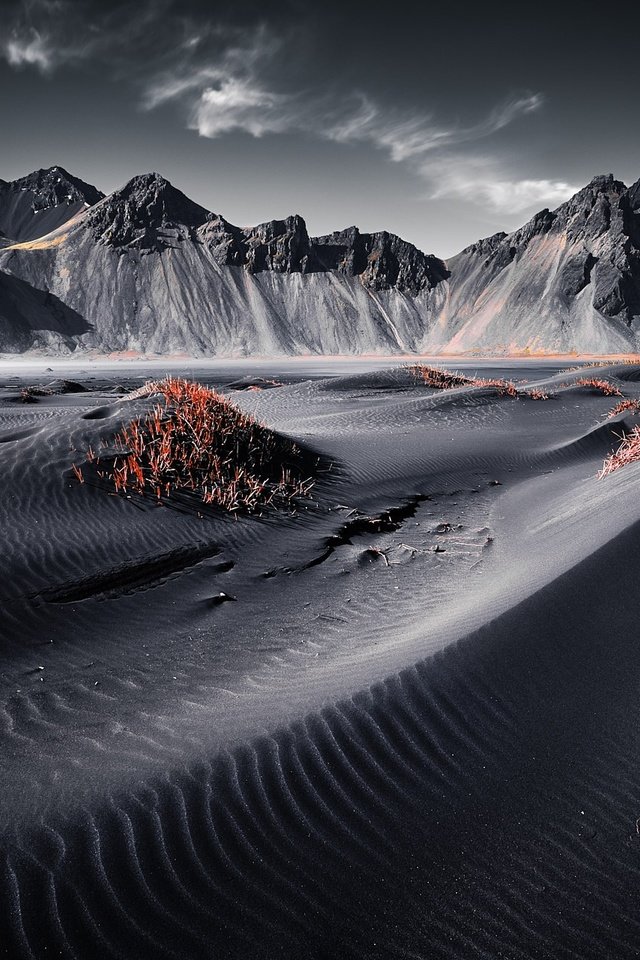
(438, 379)
(606, 388)
(448, 380)
(627, 452)
(629, 361)
(535, 393)
(624, 405)
(505, 388)
(197, 441)
(31, 394)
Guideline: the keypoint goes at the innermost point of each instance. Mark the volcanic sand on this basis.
(413, 732)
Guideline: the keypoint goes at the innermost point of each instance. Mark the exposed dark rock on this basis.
(382, 260)
(42, 201)
(280, 245)
(51, 187)
(569, 279)
(148, 213)
(226, 242)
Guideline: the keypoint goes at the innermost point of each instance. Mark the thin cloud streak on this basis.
(225, 78)
(483, 181)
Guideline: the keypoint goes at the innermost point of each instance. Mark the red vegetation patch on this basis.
(603, 386)
(505, 388)
(624, 405)
(535, 393)
(448, 380)
(438, 379)
(632, 360)
(197, 441)
(627, 452)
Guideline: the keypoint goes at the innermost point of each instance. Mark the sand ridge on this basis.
(424, 675)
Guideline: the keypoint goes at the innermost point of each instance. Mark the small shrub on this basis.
(535, 393)
(603, 386)
(624, 405)
(197, 441)
(627, 452)
(505, 388)
(438, 379)
(448, 380)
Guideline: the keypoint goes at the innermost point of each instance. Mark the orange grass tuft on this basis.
(505, 388)
(535, 393)
(627, 452)
(608, 389)
(438, 379)
(622, 406)
(448, 380)
(196, 440)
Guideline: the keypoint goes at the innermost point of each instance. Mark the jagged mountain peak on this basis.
(603, 183)
(43, 200)
(381, 260)
(52, 186)
(148, 212)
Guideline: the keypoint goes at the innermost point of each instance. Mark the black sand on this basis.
(413, 735)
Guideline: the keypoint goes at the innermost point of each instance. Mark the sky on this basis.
(442, 123)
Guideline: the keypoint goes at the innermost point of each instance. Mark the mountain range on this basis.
(147, 270)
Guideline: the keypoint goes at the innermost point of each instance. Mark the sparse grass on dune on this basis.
(196, 440)
(505, 388)
(535, 393)
(623, 406)
(436, 378)
(629, 361)
(448, 380)
(627, 452)
(602, 386)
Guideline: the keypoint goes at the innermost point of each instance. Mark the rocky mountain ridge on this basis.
(150, 270)
(150, 214)
(32, 206)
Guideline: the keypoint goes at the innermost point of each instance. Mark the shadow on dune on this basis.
(26, 313)
(480, 804)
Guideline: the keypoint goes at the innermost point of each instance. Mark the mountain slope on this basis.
(146, 269)
(568, 280)
(40, 202)
(149, 270)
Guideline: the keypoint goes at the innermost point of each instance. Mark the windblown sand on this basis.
(401, 721)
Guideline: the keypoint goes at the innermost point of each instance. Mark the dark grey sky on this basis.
(442, 123)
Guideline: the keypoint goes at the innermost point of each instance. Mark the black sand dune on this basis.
(413, 734)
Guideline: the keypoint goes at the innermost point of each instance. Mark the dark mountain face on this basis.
(41, 202)
(148, 213)
(569, 279)
(279, 245)
(147, 269)
(381, 260)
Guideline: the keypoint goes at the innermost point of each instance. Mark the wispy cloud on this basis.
(29, 49)
(484, 181)
(228, 77)
(508, 196)
(410, 135)
(438, 154)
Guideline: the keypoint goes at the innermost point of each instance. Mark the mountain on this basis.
(40, 202)
(146, 269)
(149, 270)
(568, 280)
